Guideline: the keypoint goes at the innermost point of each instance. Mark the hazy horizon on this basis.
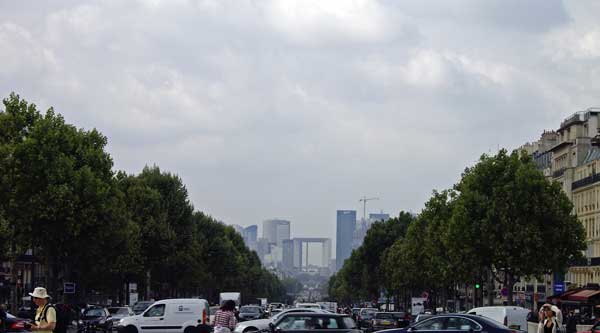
(296, 109)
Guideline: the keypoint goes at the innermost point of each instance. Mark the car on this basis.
(310, 321)
(365, 315)
(382, 321)
(141, 306)
(95, 319)
(402, 319)
(118, 313)
(454, 323)
(250, 312)
(180, 315)
(15, 324)
(386, 320)
(355, 312)
(510, 316)
(308, 305)
(263, 324)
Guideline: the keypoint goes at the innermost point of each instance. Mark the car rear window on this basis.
(384, 316)
(349, 323)
(249, 309)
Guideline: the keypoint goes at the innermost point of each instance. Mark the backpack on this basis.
(62, 321)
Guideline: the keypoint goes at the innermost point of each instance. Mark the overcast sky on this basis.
(294, 109)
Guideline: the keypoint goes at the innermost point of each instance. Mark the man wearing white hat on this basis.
(45, 315)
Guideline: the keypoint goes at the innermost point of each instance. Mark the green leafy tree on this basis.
(510, 219)
(58, 190)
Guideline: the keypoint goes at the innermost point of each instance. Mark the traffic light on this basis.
(477, 286)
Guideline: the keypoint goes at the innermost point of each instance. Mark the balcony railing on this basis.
(558, 173)
(586, 181)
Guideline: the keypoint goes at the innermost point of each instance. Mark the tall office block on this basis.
(288, 254)
(276, 231)
(251, 236)
(346, 223)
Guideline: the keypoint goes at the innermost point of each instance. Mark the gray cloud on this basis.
(297, 108)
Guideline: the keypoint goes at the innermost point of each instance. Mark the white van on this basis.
(308, 305)
(169, 316)
(513, 317)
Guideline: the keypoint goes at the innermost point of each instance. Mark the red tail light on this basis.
(205, 318)
(18, 325)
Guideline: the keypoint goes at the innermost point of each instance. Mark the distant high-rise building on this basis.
(363, 226)
(250, 236)
(238, 228)
(346, 223)
(374, 217)
(262, 248)
(276, 231)
(288, 254)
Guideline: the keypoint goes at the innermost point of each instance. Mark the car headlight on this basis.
(80, 322)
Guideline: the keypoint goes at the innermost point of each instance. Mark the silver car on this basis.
(263, 324)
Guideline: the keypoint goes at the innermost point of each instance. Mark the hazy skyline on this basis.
(296, 109)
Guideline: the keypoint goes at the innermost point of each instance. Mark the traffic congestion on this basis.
(197, 315)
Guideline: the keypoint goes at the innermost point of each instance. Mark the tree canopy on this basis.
(60, 196)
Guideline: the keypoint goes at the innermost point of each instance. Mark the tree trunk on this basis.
(510, 284)
(490, 288)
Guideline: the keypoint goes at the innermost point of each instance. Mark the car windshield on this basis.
(141, 306)
(249, 309)
(94, 313)
(398, 315)
(384, 316)
(367, 313)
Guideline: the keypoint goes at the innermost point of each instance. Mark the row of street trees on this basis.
(502, 222)
(102, 229)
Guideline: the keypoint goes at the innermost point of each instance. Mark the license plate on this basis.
(385, 322)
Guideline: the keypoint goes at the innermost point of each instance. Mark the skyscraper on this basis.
(250, 236)
(346, 223)
(276, 231)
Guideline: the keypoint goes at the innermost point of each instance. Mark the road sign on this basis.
(69, 288)
(559, 288)
(425, 295)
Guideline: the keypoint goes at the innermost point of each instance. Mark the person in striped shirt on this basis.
(225, 318)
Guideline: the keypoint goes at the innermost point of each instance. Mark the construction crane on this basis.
(364, 200)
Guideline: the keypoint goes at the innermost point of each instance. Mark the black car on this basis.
(95, 319)
(250, 312)
(455, 323)
(310, 321)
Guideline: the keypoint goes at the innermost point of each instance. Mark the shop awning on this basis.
(583, 295)
(564, 296)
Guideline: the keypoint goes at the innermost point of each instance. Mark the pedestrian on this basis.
(571, 325)
(2, 318)
(225, 318)
(45, 315)
(550, 323)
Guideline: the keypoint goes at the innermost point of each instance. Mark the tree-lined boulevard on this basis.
(502, 222)
(102, 229)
